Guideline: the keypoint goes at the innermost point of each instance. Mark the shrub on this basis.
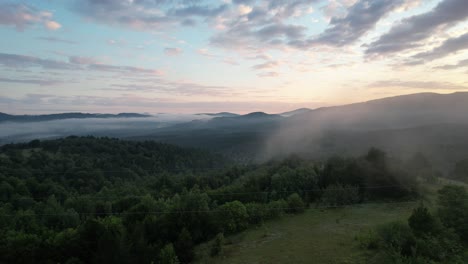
(217, 246)
(295, 204)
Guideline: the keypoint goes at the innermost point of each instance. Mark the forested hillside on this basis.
(90, 200)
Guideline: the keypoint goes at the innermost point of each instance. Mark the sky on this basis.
(192, 56)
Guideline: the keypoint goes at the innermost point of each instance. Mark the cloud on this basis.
(52, 25)
(75, 63)
(266, 65)
(247, 26)
(177, 88)
(259, 25)
(149, 15)
(460, 64)
(135, 14)
(82, 60)
(246, 36)
(22, 16)
(426, 85)
(244, 9)
(268, 25)
(280, 30)
(173, 51)
(361, 17)
(268, 74)
(206, 52)
(449, 46)
(58, 40)
(197, 10)
(410, 32)
(22, 61)
(31, 81)
(124, 69)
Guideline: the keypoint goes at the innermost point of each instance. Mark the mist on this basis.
(433, 124)
(12, 132)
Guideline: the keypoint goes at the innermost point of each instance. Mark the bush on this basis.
(368, 240)
(276, 208)
(233, 217)
(397, 236)
(295, 204)
(217, 247)
(257, 213)
(422, 222)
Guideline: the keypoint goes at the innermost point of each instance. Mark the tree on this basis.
(397, 237)
(453, 209)
(233, 216)
(184, 246)
(422, 222)
(295, 204)
(167, 255)
(377, 157)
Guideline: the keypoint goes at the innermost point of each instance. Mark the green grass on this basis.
(316, 236)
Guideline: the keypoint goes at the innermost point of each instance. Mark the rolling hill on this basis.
(403, 125)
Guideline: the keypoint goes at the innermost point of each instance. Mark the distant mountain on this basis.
(296, 112)
(221, 114)
(311, 132)
(259, 116)
(390, 113)
(236, 136)
(37, 118)
(396, 124)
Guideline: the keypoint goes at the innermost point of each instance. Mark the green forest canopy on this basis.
(89, 200)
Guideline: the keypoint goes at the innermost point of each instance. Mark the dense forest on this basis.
(91, 200)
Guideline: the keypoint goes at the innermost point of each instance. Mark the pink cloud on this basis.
(52, 25)
(22, 16)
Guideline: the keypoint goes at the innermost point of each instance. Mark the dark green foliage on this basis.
(295, 204)
(233, 217)
(427, 238)
(168, 255)
(184, 246)
(397, 237)
(453, 209)
(376, 176)
(101, 200)
(422, 222)
(217, 246)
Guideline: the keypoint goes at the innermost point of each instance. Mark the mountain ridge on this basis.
(4, 117)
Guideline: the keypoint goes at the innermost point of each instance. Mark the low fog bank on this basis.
(13, 132)
(431, 123)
